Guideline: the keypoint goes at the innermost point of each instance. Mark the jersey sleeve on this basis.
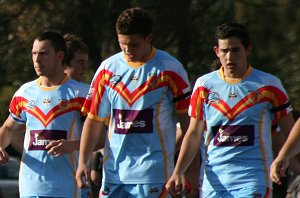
(179, 85)
(17, 106)
(278, 97)
(198, 98)
(181, 92)
(97, 96)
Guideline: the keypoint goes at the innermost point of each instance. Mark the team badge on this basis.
(31, 104)
(115, 79)
(212, 97)
(63, 104)
(254, 97)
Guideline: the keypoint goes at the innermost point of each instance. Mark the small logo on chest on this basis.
(232, 95)
(46, 101)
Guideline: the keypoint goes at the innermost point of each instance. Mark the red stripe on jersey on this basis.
(19, 104)
(168, 78)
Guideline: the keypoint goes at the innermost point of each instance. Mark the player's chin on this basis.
(131, 58)
(38, 73)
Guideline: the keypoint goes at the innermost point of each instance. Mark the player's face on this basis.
(135, 47)
(233, 56)
(78, 66)
(45, 59)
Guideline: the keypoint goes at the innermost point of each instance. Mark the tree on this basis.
(183, 28)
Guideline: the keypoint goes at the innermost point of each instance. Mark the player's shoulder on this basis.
(26, 86)
(264, 77)
(167, 62)
(77, 86)
(112, 59)
(166, 58)
(207, 78)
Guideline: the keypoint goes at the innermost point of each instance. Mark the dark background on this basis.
(184, 28)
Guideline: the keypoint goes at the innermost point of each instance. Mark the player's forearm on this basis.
(291, 146)
(75, 144)
(7, 131)
(190, 146)
(4, 141)
(89, 138)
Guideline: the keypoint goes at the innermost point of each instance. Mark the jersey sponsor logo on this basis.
(39, 139)
(134, 78)
(46, 101)
(232, 95)
(233, 135)
(212, 97)
(133, 121)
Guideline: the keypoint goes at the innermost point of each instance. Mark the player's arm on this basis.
(289, 149)
(18, 141)
(191, 176)
(286, 124)
(92, 132)
(7, 132)
(181, 129)
(96, 171)
(190, 147)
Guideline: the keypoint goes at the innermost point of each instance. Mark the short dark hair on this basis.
(233, 29)
(74, 45)
(56, 39)
(134, 21)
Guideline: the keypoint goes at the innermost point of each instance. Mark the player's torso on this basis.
(239, 131)
(50, 114)
(143, 119)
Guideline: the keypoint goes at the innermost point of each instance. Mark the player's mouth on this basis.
(130, 57)
(230, 65)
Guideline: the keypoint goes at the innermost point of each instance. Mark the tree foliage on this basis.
(183, 28)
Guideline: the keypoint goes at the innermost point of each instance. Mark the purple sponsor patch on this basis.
(133, 121)
(39, 139)
(233, 135)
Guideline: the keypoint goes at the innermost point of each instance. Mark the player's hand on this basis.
(83, 176)
(174, 185)
(191, 185)
(4, 157)
(61, 147)
(278, 169)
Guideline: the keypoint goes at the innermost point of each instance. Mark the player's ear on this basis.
(249, 49)
(60, 56)
(149, 38)
(216, 50)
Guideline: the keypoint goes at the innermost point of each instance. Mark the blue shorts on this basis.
(109, 190)
(39, 197)
(242, 193)
(85, 193)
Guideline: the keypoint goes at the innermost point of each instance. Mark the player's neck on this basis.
(52, 81)
(147, 54)
(235, 74)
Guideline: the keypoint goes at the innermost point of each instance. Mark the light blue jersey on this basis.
(141, 102)
(49, 114)
(239, 118)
